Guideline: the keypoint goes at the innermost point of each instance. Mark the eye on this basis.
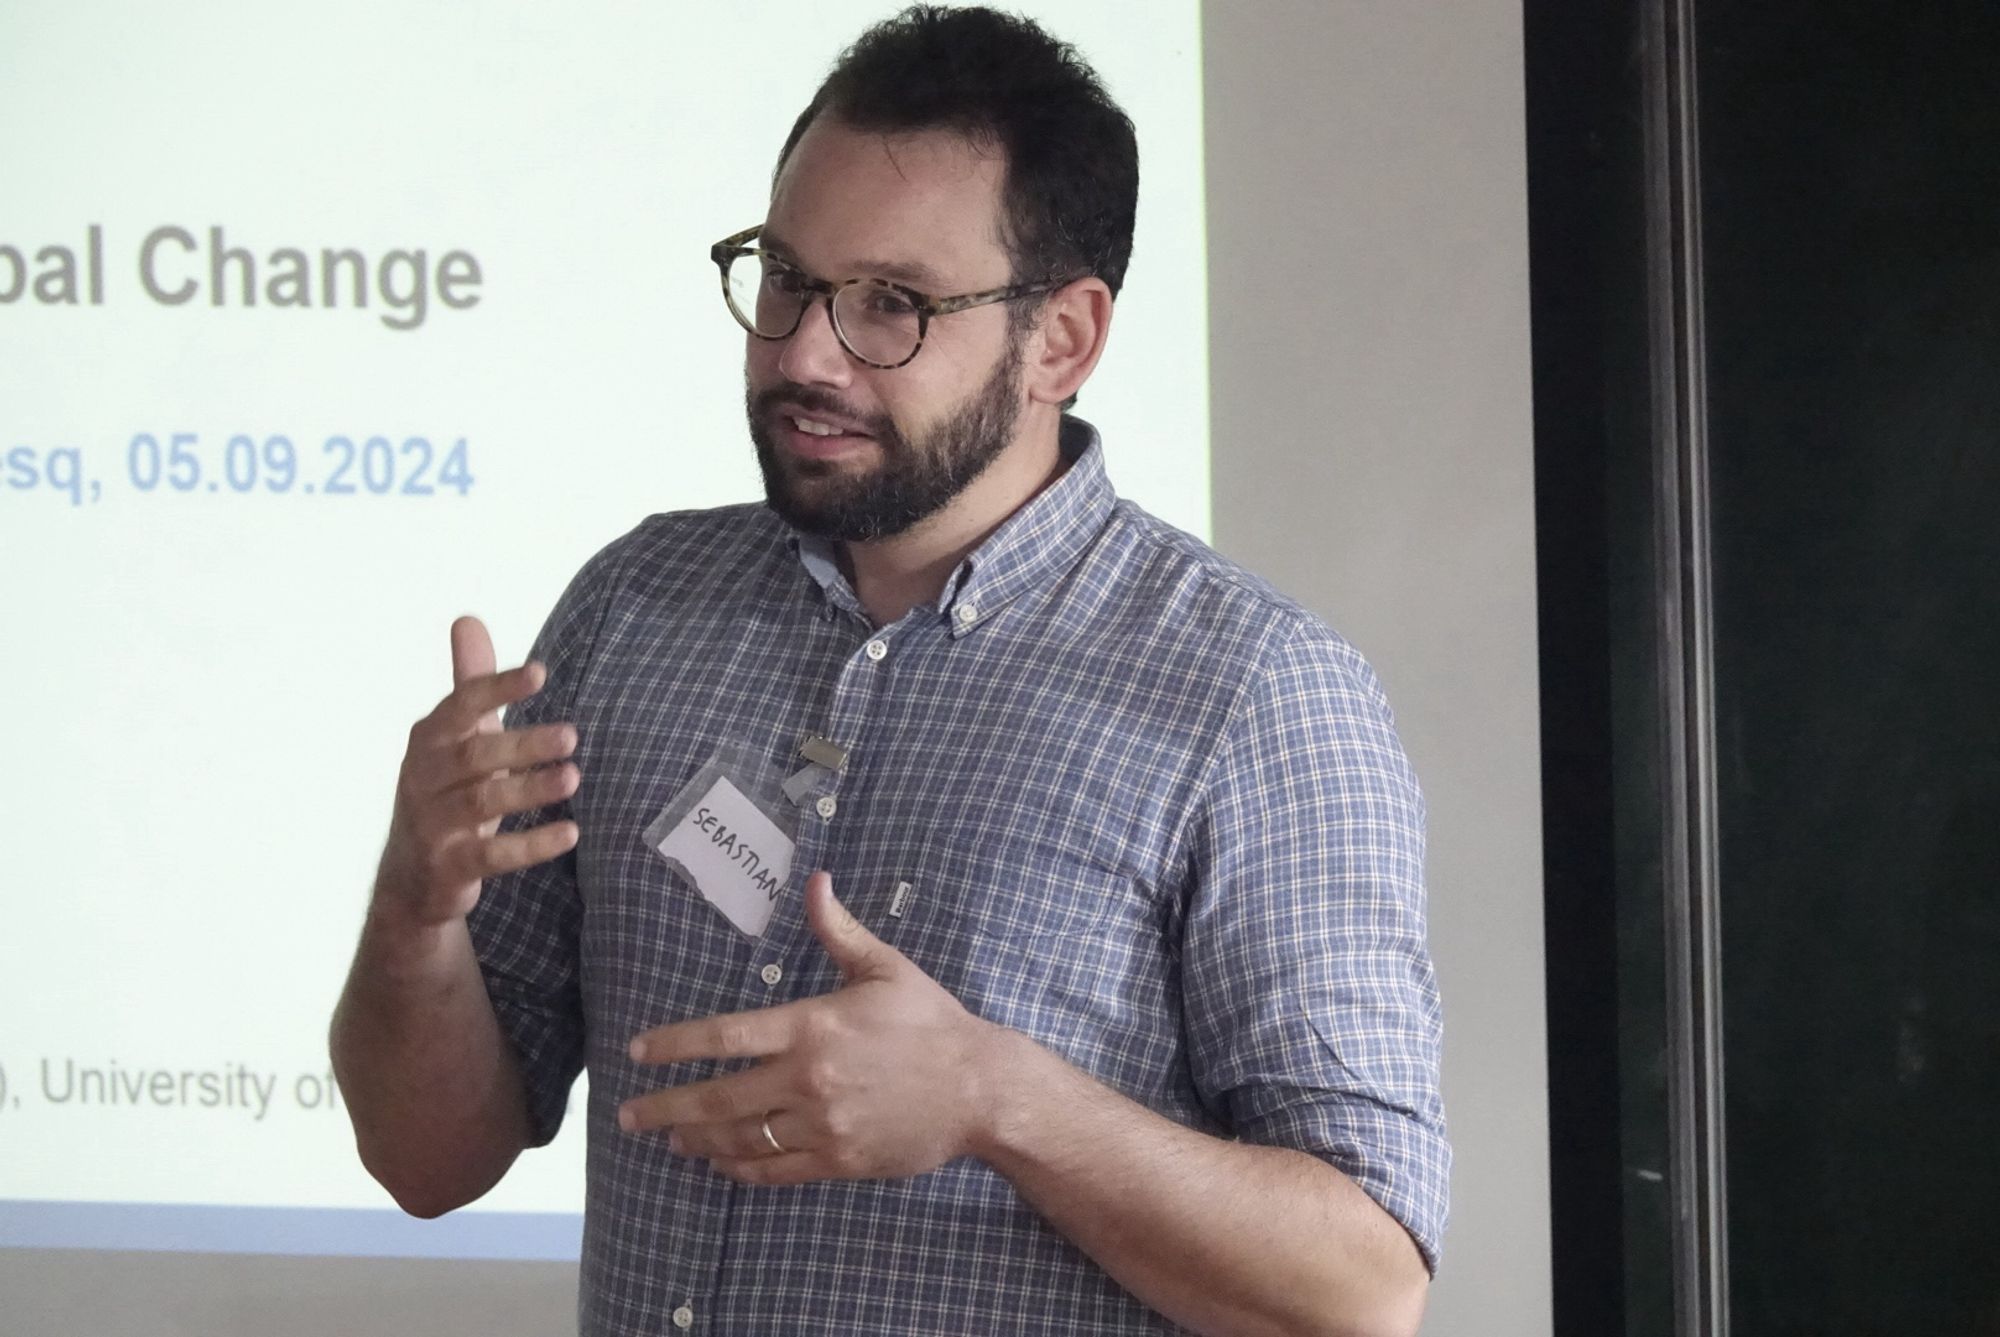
(890, 303)
(783, 279)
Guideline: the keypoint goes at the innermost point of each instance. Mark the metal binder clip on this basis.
(824, 752)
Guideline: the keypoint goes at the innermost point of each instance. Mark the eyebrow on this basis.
(915, 274)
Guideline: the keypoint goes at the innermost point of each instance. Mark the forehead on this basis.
(927, 204)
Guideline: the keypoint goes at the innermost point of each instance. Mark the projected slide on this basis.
(319, 326)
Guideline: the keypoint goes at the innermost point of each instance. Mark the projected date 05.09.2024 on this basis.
(171, 463)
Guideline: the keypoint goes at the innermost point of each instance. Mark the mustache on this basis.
(812, 398)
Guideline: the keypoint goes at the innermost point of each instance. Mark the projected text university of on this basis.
(175, 267)
(232, 1086)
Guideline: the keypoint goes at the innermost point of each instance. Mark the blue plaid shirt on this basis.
(1149, 812)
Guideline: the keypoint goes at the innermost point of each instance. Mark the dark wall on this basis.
(1849, 172)
(1852, 229)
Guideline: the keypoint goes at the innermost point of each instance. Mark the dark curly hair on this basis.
(1072, 183)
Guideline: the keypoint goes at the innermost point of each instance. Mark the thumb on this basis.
(858, 953)
(472, 657)
(471, 650)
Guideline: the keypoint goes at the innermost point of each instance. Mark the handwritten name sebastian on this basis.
(737, 849)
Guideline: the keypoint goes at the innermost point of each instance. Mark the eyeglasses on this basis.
(880, 323)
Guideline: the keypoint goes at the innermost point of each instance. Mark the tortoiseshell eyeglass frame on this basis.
(927, 307)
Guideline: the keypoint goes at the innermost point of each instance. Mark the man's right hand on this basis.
(461, 775)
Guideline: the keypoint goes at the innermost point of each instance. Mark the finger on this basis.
(480, 801)
(514, 750)
(791, 1168)
(720, 1100)
(740, 1139)
(758, 1034)
(858, 953)
(475, 858)
(469, 704)
(436, 768)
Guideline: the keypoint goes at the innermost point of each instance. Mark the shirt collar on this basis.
(1038, 542)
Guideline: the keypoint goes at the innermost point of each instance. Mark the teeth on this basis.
(811, 427)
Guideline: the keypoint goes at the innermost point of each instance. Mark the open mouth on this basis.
(817, 438)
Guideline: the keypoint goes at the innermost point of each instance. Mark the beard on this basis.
(917, 476)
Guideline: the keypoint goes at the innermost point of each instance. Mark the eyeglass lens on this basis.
(876, 322)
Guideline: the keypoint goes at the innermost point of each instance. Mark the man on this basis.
(1080, 983)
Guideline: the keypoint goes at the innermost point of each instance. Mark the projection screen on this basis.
(320, 325)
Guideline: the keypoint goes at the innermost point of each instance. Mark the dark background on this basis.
(1850, 181)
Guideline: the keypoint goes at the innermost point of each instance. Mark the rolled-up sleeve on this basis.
(1312, 1008)
(526, 924)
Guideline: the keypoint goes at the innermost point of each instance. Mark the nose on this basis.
(813, 353)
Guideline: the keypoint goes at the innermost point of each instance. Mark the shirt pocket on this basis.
(1042, 943)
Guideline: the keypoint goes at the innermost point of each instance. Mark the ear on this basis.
(1068, 340)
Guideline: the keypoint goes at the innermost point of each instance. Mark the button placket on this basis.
(858, 689)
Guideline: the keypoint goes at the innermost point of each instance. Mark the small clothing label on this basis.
(736, 857)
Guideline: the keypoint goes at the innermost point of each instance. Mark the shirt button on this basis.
(683, 1317)
(827, 806)
(966, 614)
(877, 651)
(773, 973)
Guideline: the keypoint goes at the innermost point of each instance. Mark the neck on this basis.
(893, 575)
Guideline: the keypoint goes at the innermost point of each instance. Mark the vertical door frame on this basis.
(1690, 864)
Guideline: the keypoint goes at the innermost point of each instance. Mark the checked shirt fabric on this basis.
(1149, 812)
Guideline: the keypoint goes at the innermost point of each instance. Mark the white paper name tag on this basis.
(735, 856)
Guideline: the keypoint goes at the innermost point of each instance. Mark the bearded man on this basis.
(979, 906)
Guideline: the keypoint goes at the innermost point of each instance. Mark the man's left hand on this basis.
(877, 1080)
